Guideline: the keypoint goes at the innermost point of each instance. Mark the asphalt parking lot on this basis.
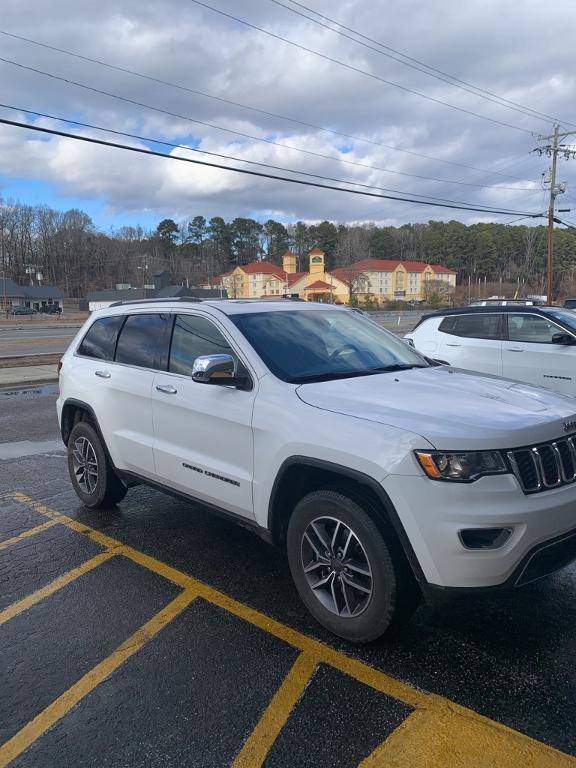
(155, 634)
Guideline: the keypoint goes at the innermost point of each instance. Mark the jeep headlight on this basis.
(461, 467)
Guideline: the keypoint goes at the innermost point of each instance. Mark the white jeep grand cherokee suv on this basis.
(383, 476)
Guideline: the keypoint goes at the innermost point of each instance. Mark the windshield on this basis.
(565, 316)
(311, 345)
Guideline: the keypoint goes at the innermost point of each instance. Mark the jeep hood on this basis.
(450, 408)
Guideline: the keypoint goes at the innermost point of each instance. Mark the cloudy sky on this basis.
(516, 50)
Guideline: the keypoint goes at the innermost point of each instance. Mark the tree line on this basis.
(71, 252)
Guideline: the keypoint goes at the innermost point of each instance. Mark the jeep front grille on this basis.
(541, 467)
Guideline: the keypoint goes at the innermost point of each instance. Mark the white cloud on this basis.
(500, 48)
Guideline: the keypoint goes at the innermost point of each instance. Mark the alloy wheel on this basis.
(336, 567)
(85, 464)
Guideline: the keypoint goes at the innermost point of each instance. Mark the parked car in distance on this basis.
(21, 310)
(51, 309)
(536, 345)
(569, 304)
(381, 476)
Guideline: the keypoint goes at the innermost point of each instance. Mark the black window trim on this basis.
(549, 318)
(500, 337)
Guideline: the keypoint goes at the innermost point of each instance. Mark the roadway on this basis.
(17, 341)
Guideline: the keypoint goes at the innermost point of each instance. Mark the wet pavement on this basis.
(233, 673)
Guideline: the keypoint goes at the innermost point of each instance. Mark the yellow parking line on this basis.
(357, 669)
(67, 578)
(437, 720)
(27, 534)
(64, 703)
(442, 738)
(258, 744)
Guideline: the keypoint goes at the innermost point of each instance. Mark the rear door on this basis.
(473, 341)
(529, 354)
(203, 442)
(124, 386)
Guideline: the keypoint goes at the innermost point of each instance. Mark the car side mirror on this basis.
(563, 338)
(219, 370)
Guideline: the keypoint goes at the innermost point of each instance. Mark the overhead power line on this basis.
(257, 110)
(261, 174)
(269, 166)
(360, 71)
(244, 135)
(410, 61)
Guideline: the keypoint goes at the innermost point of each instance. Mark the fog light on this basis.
(484, 538)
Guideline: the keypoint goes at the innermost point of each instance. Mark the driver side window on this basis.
(195, 336)
(531, 328)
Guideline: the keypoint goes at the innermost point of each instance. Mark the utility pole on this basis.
(555, 189)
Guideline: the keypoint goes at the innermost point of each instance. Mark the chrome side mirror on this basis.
(219, 370)
(209, 367)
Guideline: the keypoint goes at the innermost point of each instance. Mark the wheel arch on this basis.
(74, 411)
(299, 475)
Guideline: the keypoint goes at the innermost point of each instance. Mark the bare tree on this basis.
(353, 246)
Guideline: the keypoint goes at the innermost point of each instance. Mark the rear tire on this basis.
(94, 480)
(345, 570)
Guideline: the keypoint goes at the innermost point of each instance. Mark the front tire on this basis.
(93, 478)
(343, 567)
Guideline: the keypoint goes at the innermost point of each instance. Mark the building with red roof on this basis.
(376, 280)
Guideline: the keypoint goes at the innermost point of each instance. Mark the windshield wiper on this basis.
(330, 376)
(315, 377)
(396, 367)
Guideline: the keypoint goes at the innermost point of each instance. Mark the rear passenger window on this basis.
(474, 326)
(144, 341)
(447, 325)
(195, 336)
(100, 341)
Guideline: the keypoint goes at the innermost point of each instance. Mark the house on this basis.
(34, 296)
(162, 289)
(378, 280)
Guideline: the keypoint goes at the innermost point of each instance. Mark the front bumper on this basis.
(432, 514)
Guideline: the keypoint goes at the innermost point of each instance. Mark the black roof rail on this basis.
(191, 299)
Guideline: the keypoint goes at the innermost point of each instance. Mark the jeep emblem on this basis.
(569, 426)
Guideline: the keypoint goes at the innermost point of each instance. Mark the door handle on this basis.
(514, 349)
(103, 374)
(448, 344)
(168, 389)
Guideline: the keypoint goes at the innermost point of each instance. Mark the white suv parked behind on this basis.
(536, 345)
(383, 476)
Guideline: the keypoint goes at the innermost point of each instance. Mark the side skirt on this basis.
(132, 478)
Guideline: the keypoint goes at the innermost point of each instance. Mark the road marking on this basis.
(27, 602)
(439, 734)
(445, 739)
(64, 703)
(276, 714)
(27, 534)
